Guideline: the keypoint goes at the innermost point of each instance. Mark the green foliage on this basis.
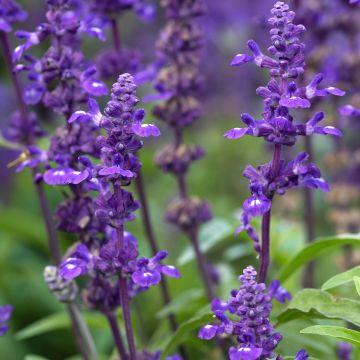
(211, 234)
(186, 329)
(314, 250)
(341, 279)
(317, 304)
(337, 332)
(357, 284)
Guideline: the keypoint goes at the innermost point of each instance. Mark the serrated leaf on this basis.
(181, 302)
(310, 252)
(357, 284)
(184, 331)
(341, 279)
(211, 234)
(317, 304)
(338, 332)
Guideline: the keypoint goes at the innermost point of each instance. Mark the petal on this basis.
(171, 271)
(240, 59)
(65, 176)
(147, 278)
(335, 91)
(145, 130)
(236, 133)
(208, 332)
(330, 130)
(33, 93)
(4, 26)
(5, 313)
(113, 170)
(347, 110)
(164, 96)
(257, 205)
(79, 117)
(245, 353)
(95, 87)
(295, 102)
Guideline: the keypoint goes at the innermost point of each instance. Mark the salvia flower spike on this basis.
(285, 63)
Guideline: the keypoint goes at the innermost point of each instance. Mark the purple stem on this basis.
(265, 226)
(82, 335)
(117, 335)
(193, 233)
(115, 34)
(124, 296)
(309, 215)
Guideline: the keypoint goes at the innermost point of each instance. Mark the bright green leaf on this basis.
(357, 284)
(184, 331)
(317, 304)
(341, 279)
(211, 234)
(317, 248)
(337, 332)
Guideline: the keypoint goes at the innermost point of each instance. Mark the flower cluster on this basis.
(253, 331)
(62, 78)
(285, 63)
(5, 314)
(178, 82)
(103, 219)
(10, 12)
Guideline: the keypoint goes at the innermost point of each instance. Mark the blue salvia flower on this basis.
(344, 351)
(285, 63)
(10, 12)
(5, 314)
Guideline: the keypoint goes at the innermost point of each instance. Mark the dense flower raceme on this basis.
(101, 258)
(5, 314)
(178, 82)
(285, 63)
(253, 331)
(62, 78)
(10, 12)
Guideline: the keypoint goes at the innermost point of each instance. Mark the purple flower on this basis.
(79, 263)
(253, 331)
(301, 355)
(148, 272)
(349, 110)
(5, 314)
(65, 176)
(10, 12)
(276, 291)
(344, 351)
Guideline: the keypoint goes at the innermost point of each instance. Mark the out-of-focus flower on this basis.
(5, 314)
(10, 12)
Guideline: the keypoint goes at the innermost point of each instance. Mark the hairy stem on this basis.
(309, 219)
(266, 220)
(83, 337)
(117, 335)
(125, 304)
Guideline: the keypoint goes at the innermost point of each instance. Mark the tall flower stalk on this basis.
(111, 259)
(180, 46)
(278, 127)
(24, 129)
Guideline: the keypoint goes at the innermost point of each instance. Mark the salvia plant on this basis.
(75, 74)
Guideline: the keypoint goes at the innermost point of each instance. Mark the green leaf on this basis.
(59, 321)
(238, 251)
(337, 332)
(181, 302)
(317, 304)
(310, 252)
(210, 235)
(341, 279)
(184, 331)
(35, 357)
(52, 322)
(357, 284)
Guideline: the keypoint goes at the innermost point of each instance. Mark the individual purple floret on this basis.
(285, 63)
(10, 12)
(253, 331)
(344, 351)
(5, 314)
